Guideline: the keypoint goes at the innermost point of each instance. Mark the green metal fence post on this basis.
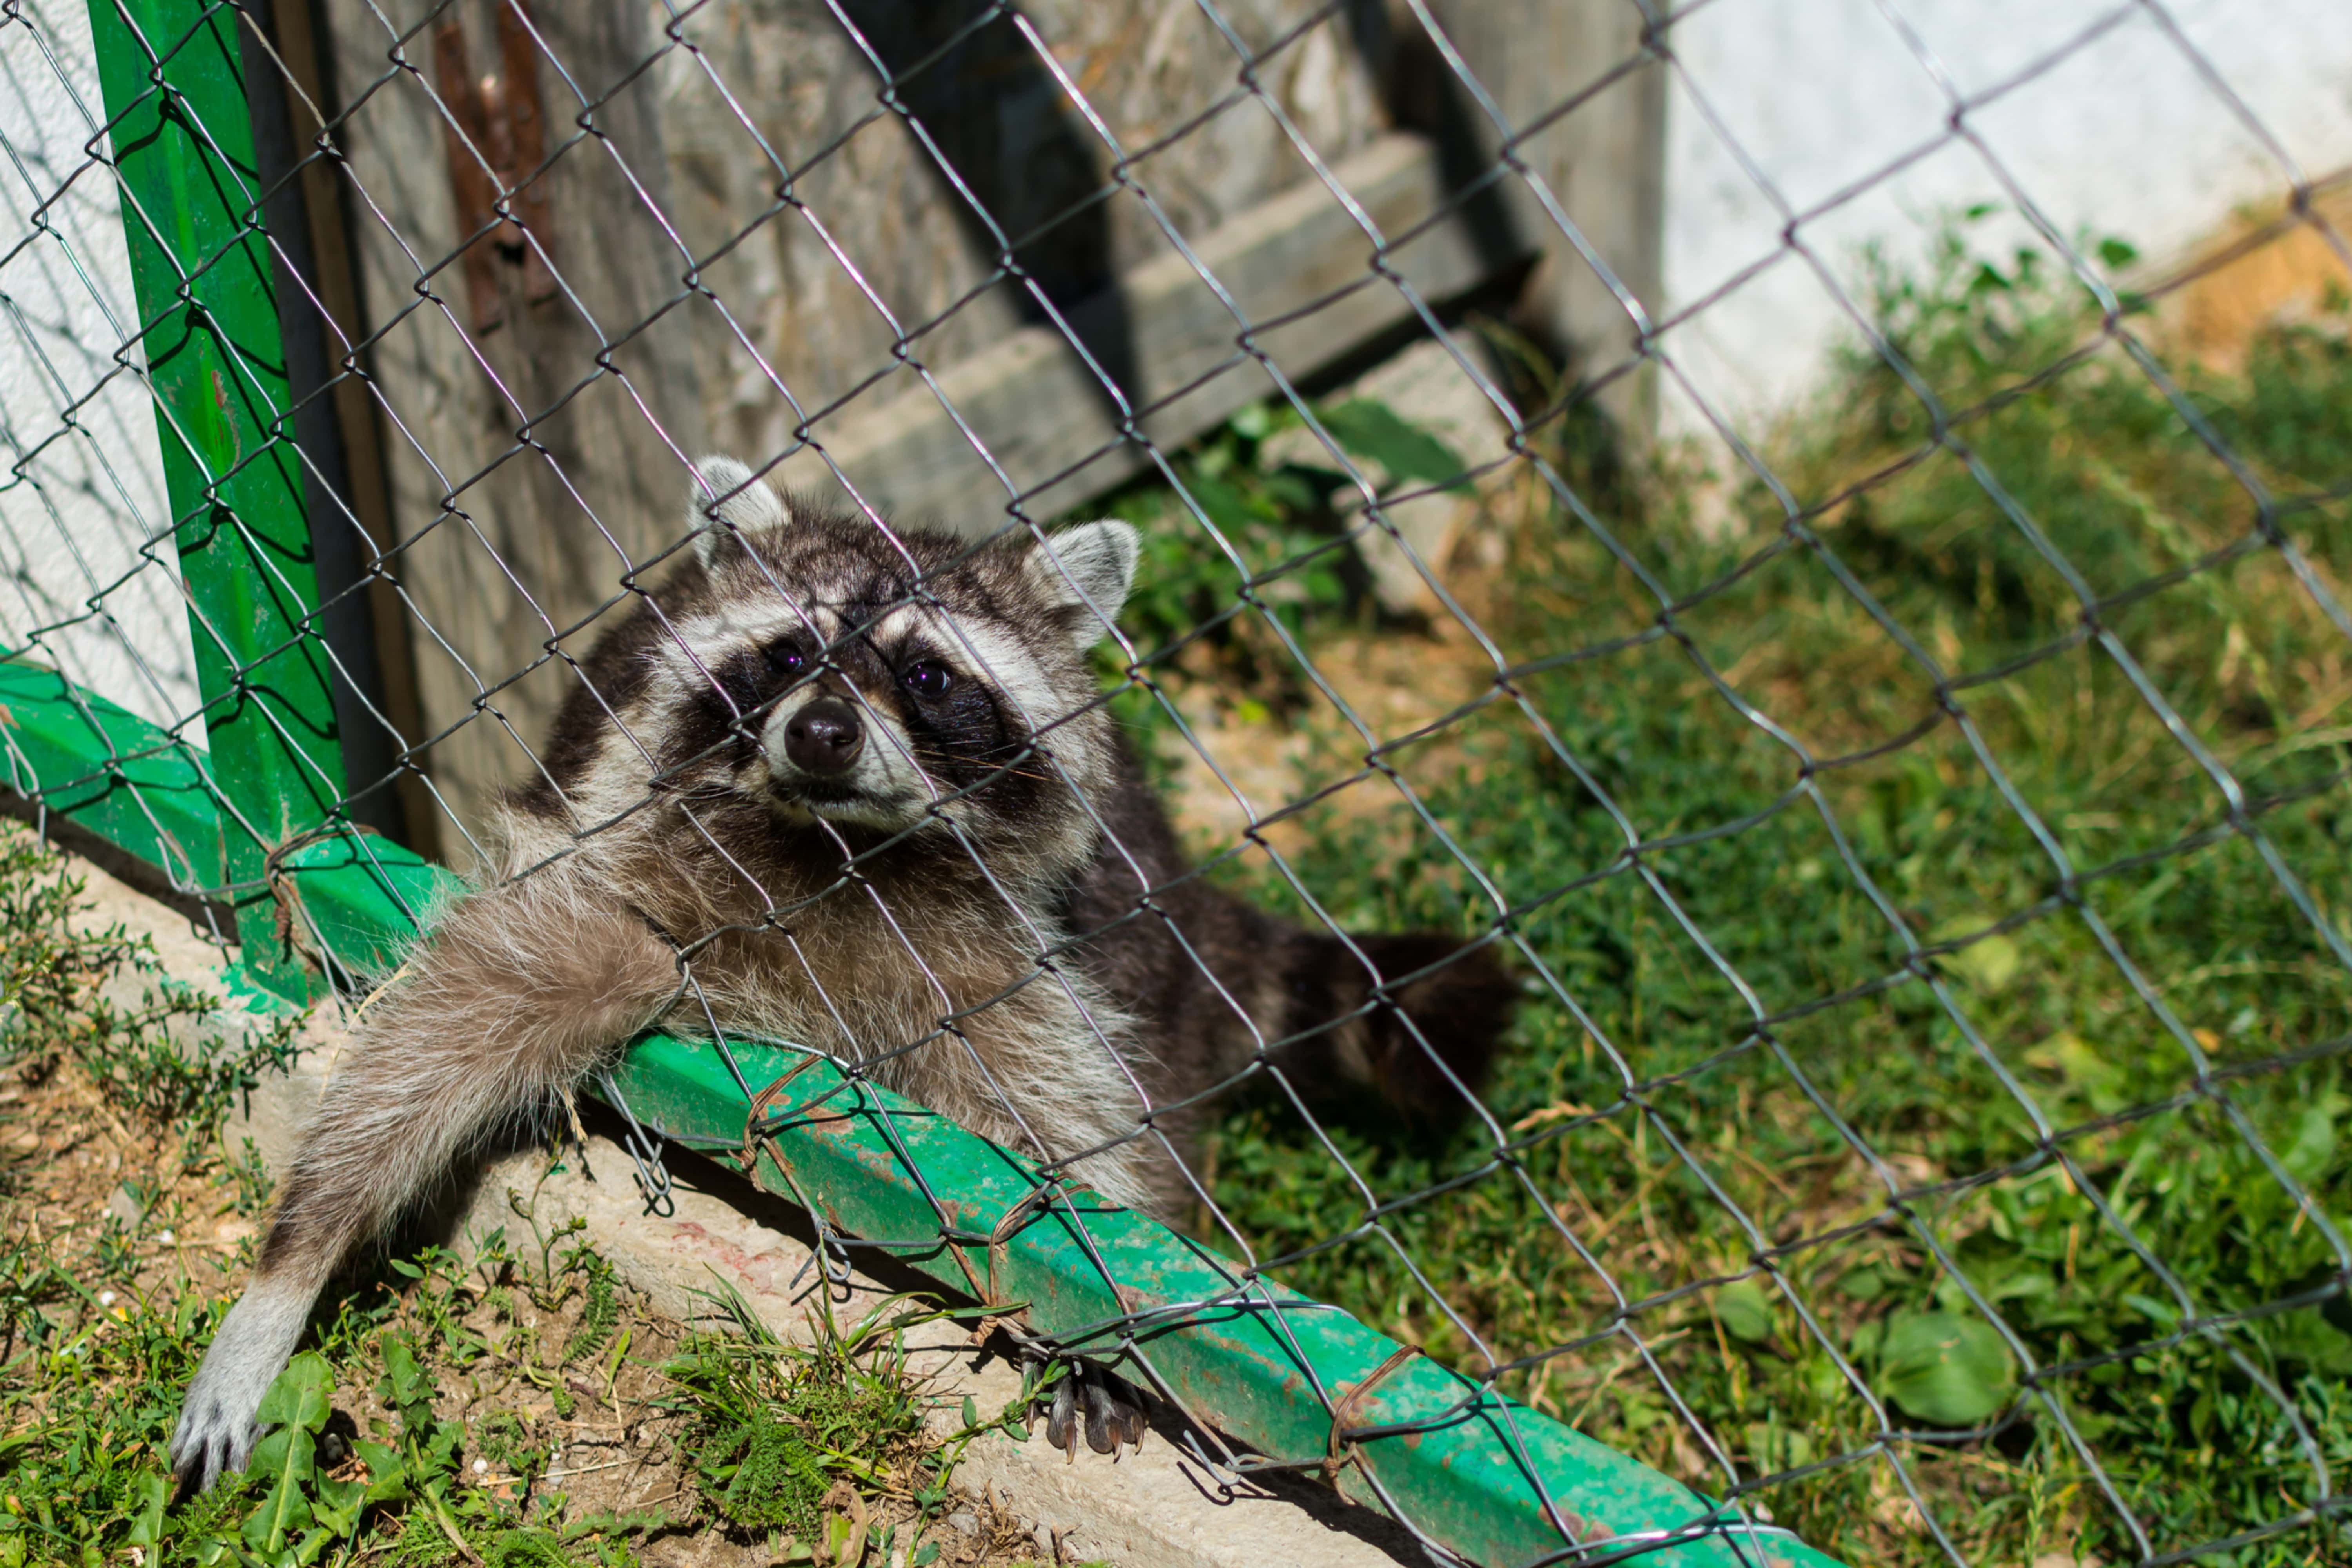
(201, 270)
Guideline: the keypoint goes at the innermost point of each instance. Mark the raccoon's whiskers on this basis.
(1006, 770)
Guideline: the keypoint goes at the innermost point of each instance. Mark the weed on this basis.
(102, 1322)
(598, 1315)
(1276, 555)
(246, 1174)
(777, 1428)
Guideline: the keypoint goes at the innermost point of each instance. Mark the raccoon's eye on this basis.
(926, 679)
(786, 659)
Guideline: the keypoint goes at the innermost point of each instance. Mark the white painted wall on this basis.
(1785, 105)
(81, 478)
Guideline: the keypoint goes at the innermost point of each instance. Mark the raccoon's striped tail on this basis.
(1412, 1020)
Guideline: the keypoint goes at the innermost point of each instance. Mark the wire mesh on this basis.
(1876, 1147)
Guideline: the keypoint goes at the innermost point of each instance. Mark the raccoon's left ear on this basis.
(743, 504)
(1087, 569)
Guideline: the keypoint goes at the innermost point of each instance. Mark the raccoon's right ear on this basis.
(1087, 569)
(750, 506)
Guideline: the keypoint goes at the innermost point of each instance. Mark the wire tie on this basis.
(1343, 1451)
(287, 895)
(644, 1150)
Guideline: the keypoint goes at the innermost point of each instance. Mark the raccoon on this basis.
(855, 788)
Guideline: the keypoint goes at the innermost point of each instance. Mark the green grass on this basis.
(1737, 1235)
(89, 1403)
(1686, 1244)
(778, 1431)
(451, 1404)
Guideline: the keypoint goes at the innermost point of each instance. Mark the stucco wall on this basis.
(1784, 108)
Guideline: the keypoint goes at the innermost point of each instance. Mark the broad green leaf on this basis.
(303, 1397)
(1948, 1369)
(154, 1493)
(288, 1458)
(2084, 1070)
(1745, 1311)
(298, 1405)
(337, 1505)
(404, 1386)
(1288, 488)
(2312, 1152)
(1374, 431)
(387, 1472)
(1863, 1284)
(1221, 502)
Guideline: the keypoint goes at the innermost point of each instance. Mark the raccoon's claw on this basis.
(212, 1440)
(1112, 1406)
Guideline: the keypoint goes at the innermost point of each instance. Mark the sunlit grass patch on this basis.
(1961, 1095)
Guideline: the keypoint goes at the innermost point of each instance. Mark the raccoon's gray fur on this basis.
(854, 789)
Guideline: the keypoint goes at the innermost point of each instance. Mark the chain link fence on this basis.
(1911, 812)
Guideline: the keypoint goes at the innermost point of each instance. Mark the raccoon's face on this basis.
(840, 675)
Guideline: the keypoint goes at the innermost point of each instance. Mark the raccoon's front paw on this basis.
(1112, 1408)
(217, 1430)
(214, 1438)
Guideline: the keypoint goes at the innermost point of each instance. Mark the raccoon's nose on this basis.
(824, 737)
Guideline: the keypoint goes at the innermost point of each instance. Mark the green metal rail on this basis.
(202, 273)
(1300, 1383)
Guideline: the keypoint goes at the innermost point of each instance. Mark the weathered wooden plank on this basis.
(878, 239)
(1585, 110)
(529, 468)
(1037, 408)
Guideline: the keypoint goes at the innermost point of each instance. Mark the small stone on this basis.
(123, 1207)
(963, 1522)
(167, 1239)
(106, 1297)
(481, 1466)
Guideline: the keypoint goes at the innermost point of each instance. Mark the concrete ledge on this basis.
(1156, 1508)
